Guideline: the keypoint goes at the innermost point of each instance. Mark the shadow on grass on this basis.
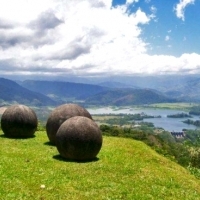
(2, 136)
(49, 144)
(60, 158)
(18, 138)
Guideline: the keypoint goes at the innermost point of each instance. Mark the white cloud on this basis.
(131, 1)
(67, 36)
(180, 8)
(167, 38)
(153, 9)
(80, 37)
(163, 64)
(23, 11)
(140, 17)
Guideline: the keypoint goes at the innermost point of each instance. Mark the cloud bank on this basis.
(81, 37)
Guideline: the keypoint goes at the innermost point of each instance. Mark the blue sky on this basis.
(167, 33)
(53, 38)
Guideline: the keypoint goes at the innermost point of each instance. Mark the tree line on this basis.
(185, 151)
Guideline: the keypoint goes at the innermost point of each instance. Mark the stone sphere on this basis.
(19, 121)
(79, 138)
(59, 115)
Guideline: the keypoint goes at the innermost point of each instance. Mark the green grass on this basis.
(178, 106)
(125, 169)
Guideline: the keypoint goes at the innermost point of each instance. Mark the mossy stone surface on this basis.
(79, 138)
(19, 121)
(61, 114)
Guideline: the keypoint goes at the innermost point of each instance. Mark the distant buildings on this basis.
(178, 134)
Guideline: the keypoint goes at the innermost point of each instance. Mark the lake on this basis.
(169, 124)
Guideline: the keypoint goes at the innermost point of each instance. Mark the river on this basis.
(169, 124)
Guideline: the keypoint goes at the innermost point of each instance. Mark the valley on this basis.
(155, 114)
(123, 95)
(99, 91)
(139, 114)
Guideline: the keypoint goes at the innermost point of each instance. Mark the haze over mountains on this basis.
(63, 90)
(12, 93)
(118, 91)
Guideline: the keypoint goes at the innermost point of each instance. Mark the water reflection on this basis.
(169, 124)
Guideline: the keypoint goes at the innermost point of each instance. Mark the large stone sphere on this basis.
(59, 115)
(19, 121)
(79, 138)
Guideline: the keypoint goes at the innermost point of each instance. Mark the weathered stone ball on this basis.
(59, 115)
(79, 138)
(19, 121)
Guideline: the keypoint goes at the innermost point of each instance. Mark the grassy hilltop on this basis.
(125, 169)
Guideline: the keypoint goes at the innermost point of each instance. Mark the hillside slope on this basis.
(125, 97)
(187, 92)
(11, 92)
(185, 88)
(125, 169)
(63, 90)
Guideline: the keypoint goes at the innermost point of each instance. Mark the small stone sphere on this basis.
(19, 121)
(79, 138)
(59, 115)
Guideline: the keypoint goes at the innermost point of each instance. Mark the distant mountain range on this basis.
(185, 88)
(127, 97)
(58, 90)
(114, 84)
(118, 91)
(95, 94)
(186, 92)
(12, 93)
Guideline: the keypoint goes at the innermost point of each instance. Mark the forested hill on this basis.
(11, 92)
(124, 97)
(62, 90)
(34, 92)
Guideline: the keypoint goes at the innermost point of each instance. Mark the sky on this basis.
(87, 38)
